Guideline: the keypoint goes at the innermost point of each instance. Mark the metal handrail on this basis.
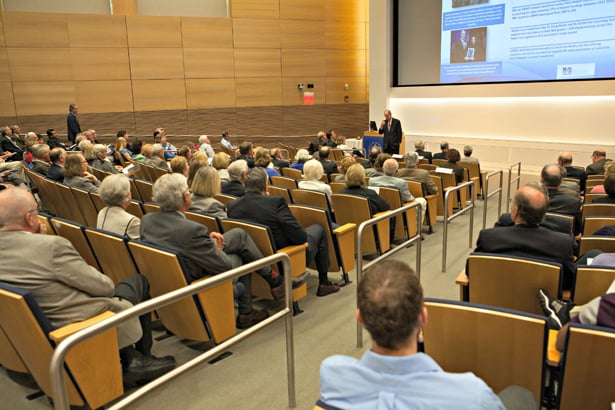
(489, 195)
(447, 219)
(359, 257)
(512, 180)
(59, 355)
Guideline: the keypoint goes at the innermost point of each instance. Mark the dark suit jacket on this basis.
(280, 163)
(550, 222)
(56, 173)
(392, 137)
(596, 168)
(581, 175)
(273, 212)
(8, 145)
(439, 155)
(249, 160)
(172, 230)
(376, 202)
(457, 169)
(233, 188)
(563, 203)
(55, 143)
(425, 155)
(531, 241)
(605, 200)
(72, 124)
(329, 166)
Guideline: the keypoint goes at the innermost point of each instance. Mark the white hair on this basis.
(168, 191)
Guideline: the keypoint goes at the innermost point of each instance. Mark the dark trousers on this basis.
(318, 251)
(135, 289)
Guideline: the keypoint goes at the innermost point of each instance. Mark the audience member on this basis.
(598, 162)
(412, 173)
(263, 160)
(393, 371)
(419, 147)
(121, 147)
(312, 174)
(197, 163)
(186, 151)
(76, 174)
(69, 290)
(179, 164)
(204, 187)
(276, 159)
(53, 140)
(355, 185)
(158, 157)
(237, 177)
(205, 253)
(101, 162)
(527, 238)
(609, 169)
(452, 158)
(40, 158)
(9, 145)
(300, 158)
(609, 187)
(376, 170)
(272, 211)
(560, 201)
(221, 163)
(331, 139)
(346, 163)
(205, 146)
(321, 141)
(443, 151)
(115, 192)
(57, 157)
(246, 153)
(467, 155)
(340, 143)
(565, 160)
(226, 141)
(329, 167)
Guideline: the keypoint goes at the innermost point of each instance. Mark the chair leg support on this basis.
(296, 309)
(345, 280)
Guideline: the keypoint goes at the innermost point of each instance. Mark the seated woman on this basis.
(376, 170)
(312, 172)
(115, 191)
(179, 165)
(121, 148)
(100, 161)
(346, 163)
(609, 187)
(609, 169)
(263, 160)
(300, 158)
(76, 173)
(220, 163)
(453, 157)
(197, 163)
(205, 186)
(355, 185)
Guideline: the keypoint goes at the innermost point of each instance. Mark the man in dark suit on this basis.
(246, 153)
(391, 128)
(276, 159)
(205, 253)
(419, 147)
(321, 141)
(443, 151)
(565, 160)
(330, 167)
(72, 123)
(598, 161)
(237, 175)
(9, 145)
(527, 238)
(272, 211)
(561, 201)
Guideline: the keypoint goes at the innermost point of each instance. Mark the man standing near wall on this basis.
(391, 128)
(72, 123)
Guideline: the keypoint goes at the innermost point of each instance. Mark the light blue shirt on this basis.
(408, 382)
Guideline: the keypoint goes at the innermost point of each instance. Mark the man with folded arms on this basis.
(68, 289)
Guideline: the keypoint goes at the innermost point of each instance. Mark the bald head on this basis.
(16, 211)
(552, 175)
(564, 159)
(390, 167)
(530, 204)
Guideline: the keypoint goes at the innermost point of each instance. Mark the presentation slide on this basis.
(526, 40)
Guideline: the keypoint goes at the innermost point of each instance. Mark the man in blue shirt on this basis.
(393, 374)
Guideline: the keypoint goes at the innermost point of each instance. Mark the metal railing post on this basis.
(56, 366)
(511, 181)
(359, 246)
(489, 195)
(462, 211)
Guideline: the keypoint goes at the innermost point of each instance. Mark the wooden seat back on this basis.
(86, 206)
(312, 198)
(417, 191)
(592, 223)
(284, 182)
(589, 198)
(281, 191)
(336, 187)
(151, 207)
(211, 222)
(74, 233)
(66, 205)
(225, 199)
(598, 210)
(292, 173)
(145, 189)
(603, 243)
(112, 254)
(405, 225)
(591, 282)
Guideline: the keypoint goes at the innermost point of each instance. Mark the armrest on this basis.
(462, 279)
(344, 229)
(553, 355)
(296, 253)
(62, 333)
(345, 236)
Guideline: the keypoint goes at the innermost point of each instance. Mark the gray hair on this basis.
(390, 167)
(203, 138)
(418, 144)
(169, 191)
(39, 149)
(256, 180)
(237, 169)
(411, 159)
(156, 148)
(313, 170)
(302, 155)
(99, 151)
(114, 189)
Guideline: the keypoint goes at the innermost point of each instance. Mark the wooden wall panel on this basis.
(291, 95)
(209, 63)
(347, 10)
(254, 92)
(104, 96)
(40, 64)
(257, 63)
(150, 31)
(43, 98)
(2, 40)
(255, 8)
(175, 122)
(210, 93)
(5, 72)
(7, 104)
(99, 63)
(105, 123)
(303, 63)
(357, 91)
(256, 33)
(156, 63)
(343, 63)
(302, 9)
(207, 32)
(35, 30)
(345, 35)
(154, 95)
(304, 120)
(212, 122)
(349, 120)
(259, 121)
(302, 34)
(97, 31)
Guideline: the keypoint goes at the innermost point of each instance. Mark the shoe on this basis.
(557, 312)
(301, 279)
(143, 369)
(252, 318)
(278, 291)
(324, 290)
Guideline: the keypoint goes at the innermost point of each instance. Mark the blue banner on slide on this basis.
(473, 17)
(370, 141)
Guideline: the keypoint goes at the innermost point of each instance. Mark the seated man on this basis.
(68, 289)
(598, 162)
(389, 180)
(237, 175)
(246, 152)
(412, 173)
(205, 253)
(56, 170)
(419, 148)
(330, 167)
(157, 159)
(467, 155)
(276, 159)
(40, 158)
(443, 151)
(561, 201)
(272, 211)
(527, 238)
(393, 374)
(565, 160)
